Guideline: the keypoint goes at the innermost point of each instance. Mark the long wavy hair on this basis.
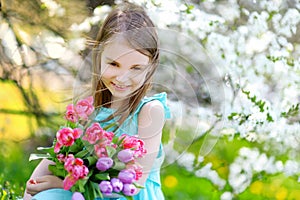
(133, 24)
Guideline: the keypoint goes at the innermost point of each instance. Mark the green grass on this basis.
(177, 183)
(14, 170)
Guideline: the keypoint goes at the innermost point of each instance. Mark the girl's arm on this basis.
(41, 179)
(150, 124)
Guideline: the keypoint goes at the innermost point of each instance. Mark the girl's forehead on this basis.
(119, 50)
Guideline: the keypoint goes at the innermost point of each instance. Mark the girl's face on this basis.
(123, 69)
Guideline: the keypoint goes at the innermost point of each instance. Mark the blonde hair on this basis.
(134, 25)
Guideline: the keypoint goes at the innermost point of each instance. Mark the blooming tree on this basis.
(255, 49)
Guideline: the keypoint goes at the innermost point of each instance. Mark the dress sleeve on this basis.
(162, 97)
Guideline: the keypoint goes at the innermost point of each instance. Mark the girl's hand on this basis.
(34, 186)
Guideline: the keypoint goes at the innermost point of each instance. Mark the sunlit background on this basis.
(231, 70)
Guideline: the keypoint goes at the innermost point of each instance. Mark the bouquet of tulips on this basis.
(91, 160)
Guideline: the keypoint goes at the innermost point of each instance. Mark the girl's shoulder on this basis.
(158, 101)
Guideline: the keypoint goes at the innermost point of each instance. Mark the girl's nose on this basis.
(123, 77)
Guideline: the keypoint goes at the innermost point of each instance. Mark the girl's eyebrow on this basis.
(134, 65)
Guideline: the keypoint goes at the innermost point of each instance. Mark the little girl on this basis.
(126, 55)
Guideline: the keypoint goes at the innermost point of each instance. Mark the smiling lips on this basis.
(120, 87)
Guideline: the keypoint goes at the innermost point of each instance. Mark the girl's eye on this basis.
(137, 68)
(113, 64)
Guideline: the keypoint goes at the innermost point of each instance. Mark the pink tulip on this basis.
(71, 114)
(66, 137)
(100, 151)
(61, 157)
(84, 108)
(68, 182)
(77, 132)
(76, 170)
(132, 142)
(79, 171)
(93, 133)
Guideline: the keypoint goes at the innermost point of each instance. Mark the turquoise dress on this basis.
(152, 188)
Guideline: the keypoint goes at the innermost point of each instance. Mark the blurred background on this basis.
(231, 70)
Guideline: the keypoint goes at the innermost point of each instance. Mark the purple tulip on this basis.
(129, 189)
(104, 163)
(126, 176)
(77, 196)
(116, 184)
(125, 155)
(105, 187)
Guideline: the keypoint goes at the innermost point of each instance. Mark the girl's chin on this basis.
(120, 94)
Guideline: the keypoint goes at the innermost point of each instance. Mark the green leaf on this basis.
(81, 185)
(86, 194)
(82, 154)
(293, 111)
(110, 126)
(110, 151)
(57, 170)
(230, 117)
(138, 185)
(118, 141)
(269, 118)
(96, 190)
(189, 69)
(88, 146)
(75, 148)
(71, 124)
(36, 156)
(92, 191)
(102, 176)
(129, 197)
(119, 165)
(46, 149)
(91, 160)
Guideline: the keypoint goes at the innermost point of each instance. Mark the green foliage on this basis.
(189, 8)
(260, 104)
(181, 184)
(289, 61)
(14, 170)
(241, 116)
(292, 112)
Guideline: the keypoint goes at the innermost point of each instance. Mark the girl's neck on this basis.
(119, 103)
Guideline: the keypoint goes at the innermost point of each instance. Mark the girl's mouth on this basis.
(120, 87)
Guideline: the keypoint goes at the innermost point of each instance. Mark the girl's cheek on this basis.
(105, 73)
(141, 77)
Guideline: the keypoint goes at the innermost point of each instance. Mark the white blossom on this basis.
(227, 196)
(207, 172)
(186, 160)
(54, 8)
